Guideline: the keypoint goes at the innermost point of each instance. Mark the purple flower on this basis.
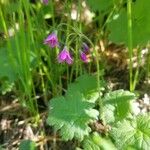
(52, 40)
(64, 56)
(85, 47)
(45, 2)
(83, 57)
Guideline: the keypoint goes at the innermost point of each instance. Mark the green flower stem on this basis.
(136, 75)
(81, 67)
(52, 8)
(130, 41)
(148, 65)
(95, 54)
(76, 58)
(54, 88)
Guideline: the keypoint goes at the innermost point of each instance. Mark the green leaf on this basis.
(71, 114)
(141, 23)
(96, 142)
(134, 133)
(5, 86)
(109, 113)
(100, 5)
(27, 145)
(6, 66)
(84, 84)
(87, 85)
(118, 28)
(117, 105)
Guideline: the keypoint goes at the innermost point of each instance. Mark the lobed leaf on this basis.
(96, 142)
(134, 133)
(87, 85)
(117, 105)
(71, 115)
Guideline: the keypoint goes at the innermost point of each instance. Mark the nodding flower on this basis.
(85, 47)
(64, 56)
(83, 57)
(45, 2)
(52, 40)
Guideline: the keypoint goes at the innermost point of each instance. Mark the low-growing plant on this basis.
(46, 57)
(74, 113)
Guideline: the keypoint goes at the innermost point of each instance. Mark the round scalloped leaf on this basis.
(71, 115)
(134, 133)
(117, 105)
(87, 85)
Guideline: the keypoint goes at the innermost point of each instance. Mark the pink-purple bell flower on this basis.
(83, 57)
(64, 56)
(85, 47)
(45, 2)
(52, 40)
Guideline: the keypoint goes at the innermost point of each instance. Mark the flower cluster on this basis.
(65, 55)
(52, 40)
(45, 2)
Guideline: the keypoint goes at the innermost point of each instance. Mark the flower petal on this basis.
(85, 47)
(62, 55)
(83, 56)
(69, 60)
(52, 40)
